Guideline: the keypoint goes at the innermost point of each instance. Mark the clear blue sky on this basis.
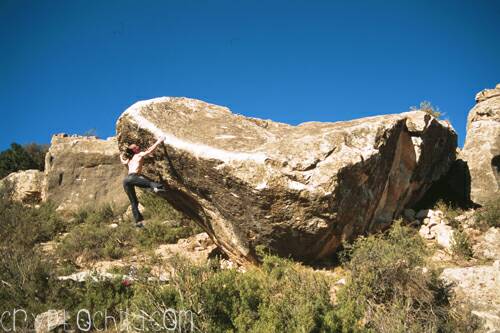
(70, 66)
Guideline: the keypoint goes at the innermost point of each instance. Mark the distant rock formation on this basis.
(83, 171)
(482, 146)
(298, 190)
(24, 186)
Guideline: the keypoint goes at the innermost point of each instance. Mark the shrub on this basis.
(37, 153)
(427, 107)
(461, 245)
(25, 273)
(155, 233)
(165, 224)
(388, 290)
(158, 208)
(450, 212)
(281, 296)
(25, 277)
(19, 157)
(105, 297)
(25, 226)
(490, 213)
(92, 238)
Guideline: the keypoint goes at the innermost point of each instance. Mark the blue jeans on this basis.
(129, 183)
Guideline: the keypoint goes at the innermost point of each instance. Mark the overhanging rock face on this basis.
(298, 190)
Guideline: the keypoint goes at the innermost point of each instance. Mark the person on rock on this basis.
(134, 159)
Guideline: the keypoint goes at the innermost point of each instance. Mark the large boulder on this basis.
(482, 146)
(83, 171)
(24, 186)
(297, 190)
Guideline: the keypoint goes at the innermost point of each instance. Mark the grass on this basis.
(461, 245)
(449, 212)
(165, 224)
(490, 213)
(428, 108)
(91, 238)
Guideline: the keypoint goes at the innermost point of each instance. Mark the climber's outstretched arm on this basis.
(153, 147)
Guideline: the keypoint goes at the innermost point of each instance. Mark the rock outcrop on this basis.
(297, 190)
(479, 286)
(24, 186)
(482, 146)
(197, 249)
(83, 171)
(435, 226)
(50, 321)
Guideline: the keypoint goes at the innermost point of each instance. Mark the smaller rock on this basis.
(159, 273)
(430, 222)
(441, 256)
(422, 214)
(196, 248)
(128, 212)
(48, 247)
(172, 223)
(426, 233)
(488, 244)
(48, 321)
(444, 235)
(227, 264)
(432, 228)
(107, 265)
(113, 225)
(409, 214)
(334, 289)
(24, 186)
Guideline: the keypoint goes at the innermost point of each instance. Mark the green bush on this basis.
(25, 278)
(281, 296)
(104, 297)
(26, 226)
(427, 107)
(157, 208)
(92, 238)
(156, 232)
(449, 212)
(164, 223)
(25, 273)
(388, 290)
(17, 157)
(490, 213)
(461, 245)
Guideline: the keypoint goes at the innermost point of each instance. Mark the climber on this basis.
(133, 159)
